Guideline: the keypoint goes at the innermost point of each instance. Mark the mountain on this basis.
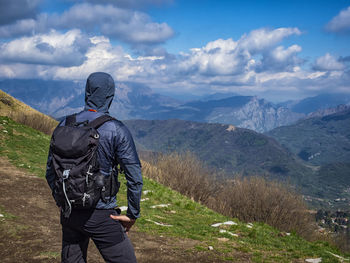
(137, 101)
(328, 111)
(245, 152)
(318, 140)
(324, 143)
(59, 98)
(218, 96)
(320, 102)
(242, 111)
(45, 96)
(226, 147)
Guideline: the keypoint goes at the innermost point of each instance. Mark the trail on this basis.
(34, 234)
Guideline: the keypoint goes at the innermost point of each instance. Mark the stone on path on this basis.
(313, 260)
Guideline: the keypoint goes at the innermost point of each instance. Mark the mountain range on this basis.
(313, 154)
(137, 101)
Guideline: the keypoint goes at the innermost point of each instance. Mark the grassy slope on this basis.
(9, 105)
(27, 149)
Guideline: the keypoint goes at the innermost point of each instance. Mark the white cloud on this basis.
(260, 39)
(130, 26)
(229, 57)
(280, 59)
(340, 23)
(328, 63)
(220, 57)
(47, 49)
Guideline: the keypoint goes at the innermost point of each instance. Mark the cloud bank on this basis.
(256, 63)
(94, 36)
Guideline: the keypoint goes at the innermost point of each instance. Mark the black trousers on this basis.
(108, 235)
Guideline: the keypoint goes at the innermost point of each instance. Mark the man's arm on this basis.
(127, 157)
(134, 188)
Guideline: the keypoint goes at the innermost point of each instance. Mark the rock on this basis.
(224, 223)
(157, 223)
(228, 232)
(223, 239)
(160, 206)
(313, 260)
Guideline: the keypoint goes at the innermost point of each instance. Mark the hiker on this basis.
(102, 222)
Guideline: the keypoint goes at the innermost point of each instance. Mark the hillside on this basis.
(228, 148)
(319, 140)
(320, 102)
(181, 230)
(323, 142)
(21, 112)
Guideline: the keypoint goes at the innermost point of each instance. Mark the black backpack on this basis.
(78, 181)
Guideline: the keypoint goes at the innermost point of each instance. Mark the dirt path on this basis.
(34, 234)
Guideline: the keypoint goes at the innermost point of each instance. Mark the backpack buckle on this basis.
(65, 174)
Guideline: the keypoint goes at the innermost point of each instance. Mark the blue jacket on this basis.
(116, 144)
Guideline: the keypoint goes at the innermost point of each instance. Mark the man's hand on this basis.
(126, 221)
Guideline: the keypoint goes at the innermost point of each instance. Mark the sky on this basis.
(278, 50)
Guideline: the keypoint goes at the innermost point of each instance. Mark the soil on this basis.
(34, 233)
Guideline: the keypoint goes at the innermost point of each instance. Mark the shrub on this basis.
(36, 121)
(183, 173)
(250, 199)
(255, 199)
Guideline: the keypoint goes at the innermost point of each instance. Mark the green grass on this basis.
(27, 149)
(23, 146)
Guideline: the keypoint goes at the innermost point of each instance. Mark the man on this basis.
(103, 224)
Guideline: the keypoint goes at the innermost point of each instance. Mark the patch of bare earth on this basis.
(34, 234)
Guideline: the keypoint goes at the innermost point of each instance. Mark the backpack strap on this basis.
(70, 120)
(99, 121)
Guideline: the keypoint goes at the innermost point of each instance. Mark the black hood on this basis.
(99, 92)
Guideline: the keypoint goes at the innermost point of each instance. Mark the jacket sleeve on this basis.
(127, 157)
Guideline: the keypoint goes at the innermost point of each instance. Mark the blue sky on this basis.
(278, 50)
(196, 24)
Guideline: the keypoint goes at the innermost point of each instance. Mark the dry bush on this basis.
(183, 173)
(22, 113)
(252, 199)
(36, 121)
(255, 199)
(342, 241)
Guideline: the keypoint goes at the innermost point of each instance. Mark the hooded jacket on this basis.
(116, 145)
